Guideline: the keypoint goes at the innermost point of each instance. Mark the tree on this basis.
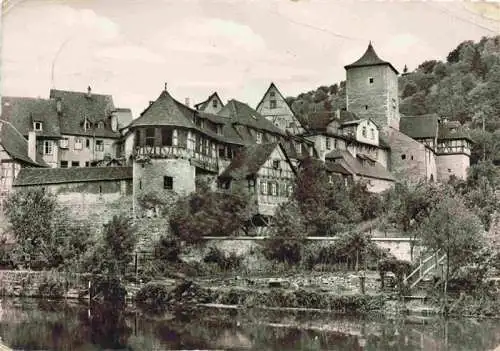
(452, 228)
(288, 232)
(46, 236)
(209, 213)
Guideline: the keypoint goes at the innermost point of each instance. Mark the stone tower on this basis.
(372, 89)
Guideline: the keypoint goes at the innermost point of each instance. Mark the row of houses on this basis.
(171, 146)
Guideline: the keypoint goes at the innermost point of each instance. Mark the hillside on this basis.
(466, 88)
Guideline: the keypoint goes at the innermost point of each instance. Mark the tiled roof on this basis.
(370, 58)
(249, 160)
(358, 167)
(319, 121)
(46, 176)
(23, 111)
(76, 106)
(336, 168)
(419, 127)
(202, 105)
(449, 131)
(241, 113)
(17, 146)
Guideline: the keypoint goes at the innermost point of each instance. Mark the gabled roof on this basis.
(273, 86)
(249, 160)
(78, 106)
(23, 111)
(419, 127)
(16, 145)
(46, 176)
(360, 168)
(202, 105)
(241, 113)
(370, 58)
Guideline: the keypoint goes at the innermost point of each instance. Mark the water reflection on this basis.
(42, 325)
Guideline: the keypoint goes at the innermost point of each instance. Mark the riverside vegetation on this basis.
(450, 217)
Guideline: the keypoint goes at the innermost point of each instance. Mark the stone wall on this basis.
(454, 164)
(378, 99)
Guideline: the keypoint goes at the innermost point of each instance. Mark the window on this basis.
(64, 164)
(226, 184)
(219, 129)
(272, 94)
(168, 183)
(99, 145)
(100, 125)
(166, 137)
(299, 148)
(87, 125)
(403, 157)
(87, 164)
(411, 157)
(64, 143)
(75, 164)
(47, 147)
(274, 189)
(87, 143)
(364, 131)
(150, 136)
(372, 133)
(394, 103)
(140, 184)
(229, 153)
(138, 138)
(222, 152)
(276, 164)
(366, 107)
(370, 80)
(258, 137)
(37, 126)
(263, 188)
(272, 104)
(328, 146)
(78, 144)
(215, 103)
(335, 143)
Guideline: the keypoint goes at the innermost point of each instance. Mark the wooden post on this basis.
(136, 265)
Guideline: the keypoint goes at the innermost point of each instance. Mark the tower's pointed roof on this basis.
(370, 58)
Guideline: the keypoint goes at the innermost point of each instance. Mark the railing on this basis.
(424, 268)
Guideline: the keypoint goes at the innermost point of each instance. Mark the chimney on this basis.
(59, 106)
(165, 88)
(89, 92)
(32, 145)
(187, 102)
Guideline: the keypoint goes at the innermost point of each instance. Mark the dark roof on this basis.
(46, 176)
(249, 160)
(370, 58)
(430, 125)
(202, 105)
(336, 168)
(76, 106)
(319, 121)
(23, 111)
(241, 113)
(360, 168)
(419, 127)
(17, 146)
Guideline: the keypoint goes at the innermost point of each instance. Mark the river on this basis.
(28, 324)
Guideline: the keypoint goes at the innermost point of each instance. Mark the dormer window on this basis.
(100, 125)
(272, 104)
(258, 137)
(87, 125)
(37, 126)
(364, 132)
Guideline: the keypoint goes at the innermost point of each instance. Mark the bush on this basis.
(224, 261)
(167, 249)
(153, 295)
(109, 289)
(51, 287)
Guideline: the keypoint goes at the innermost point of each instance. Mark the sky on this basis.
(131, 48)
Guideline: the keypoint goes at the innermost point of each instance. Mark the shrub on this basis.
(224, 261)
(167, 249)
(109, 289)
(51, 287)
(153, 295)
